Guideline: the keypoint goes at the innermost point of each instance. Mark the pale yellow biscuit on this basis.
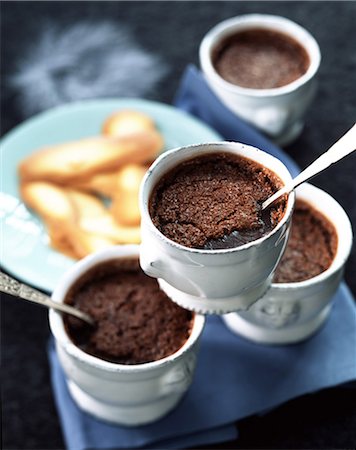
(74, 242)
(61, 240)
(93, 217)
(103, 183)
(49, 201)
(85, 243)
(71, 161)
(62, 216)
(86, 205)
(125, 202)
(127, 122)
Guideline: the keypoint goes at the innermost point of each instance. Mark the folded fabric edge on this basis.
(216, 435)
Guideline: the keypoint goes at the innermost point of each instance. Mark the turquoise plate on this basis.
(25, 250)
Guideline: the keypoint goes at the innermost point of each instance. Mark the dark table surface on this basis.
(172, 31)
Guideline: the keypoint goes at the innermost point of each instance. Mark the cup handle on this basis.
(178, 379)
(272, 120)
(150, 262)
(171, 270)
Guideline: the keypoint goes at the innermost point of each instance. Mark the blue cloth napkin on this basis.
(234, 378)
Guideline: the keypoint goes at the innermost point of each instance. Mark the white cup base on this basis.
(215, 305)
(289, 135)
(286, 335)
(128, 415)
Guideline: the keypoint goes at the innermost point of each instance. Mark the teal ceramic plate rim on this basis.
(25, 251)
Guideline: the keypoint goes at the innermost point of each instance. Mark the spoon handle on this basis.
(343, 147)
(13, 287)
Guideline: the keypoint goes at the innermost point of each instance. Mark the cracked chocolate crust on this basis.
(136, 321)
(260, 59)
(214, 201)
(311, 246)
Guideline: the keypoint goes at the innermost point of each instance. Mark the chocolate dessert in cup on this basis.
(263, 67)
(139, 360)
(300, 298)
(203, 234)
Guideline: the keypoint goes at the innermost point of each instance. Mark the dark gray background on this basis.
(173, 30)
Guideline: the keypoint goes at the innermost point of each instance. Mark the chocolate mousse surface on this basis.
(260, 59)
(213, 201)
(136, 321)
(311, 246)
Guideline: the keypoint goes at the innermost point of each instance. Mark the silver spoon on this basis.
(13, 287)
(343, 147)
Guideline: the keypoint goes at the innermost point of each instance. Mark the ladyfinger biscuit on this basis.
(85, 243)
(61, 240)
(105, 226)
(56, 210)
(86, 205)
(74, 242)
(125, 205)
(127, 122)
(76, 160)
(63, 211)
(49, 201)
(102, 183)
(94, 218)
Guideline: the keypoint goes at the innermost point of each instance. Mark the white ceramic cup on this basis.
(211, 281)
(291, 312)
(123, 394)
(279, 112)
